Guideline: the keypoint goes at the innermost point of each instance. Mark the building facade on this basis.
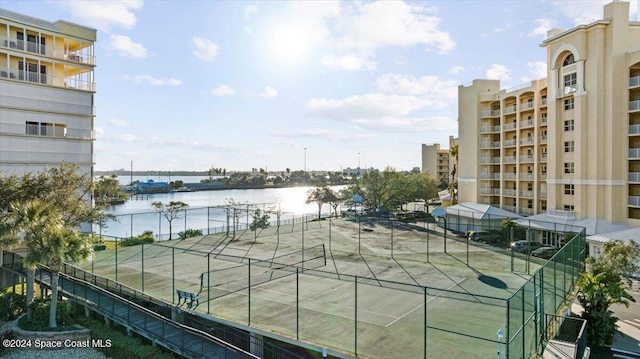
(437, 161)
(568, 144)
(46, 94)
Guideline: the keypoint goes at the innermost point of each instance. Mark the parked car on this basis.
(525, 246)
(544, 252)
(484, 236)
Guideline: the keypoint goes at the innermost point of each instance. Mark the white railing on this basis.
(510, 109)
(543, 156)
(634, 105)
(543, 194)
(489, 176)
(526, 106)
(509, 176)
(634, 201)
(58, 81)
(48, 106)
(48, 156)
(509, 192)
(527, 194)
(527, 123)
(509, 143)
(543, 119)
(543, 139)
(634, 81)
(490, 144)
(526, 176)
(634, 129)
(543, 177)
(634, 153)
(489, 129)
(490, 191)
(485, 113)
(526, 158)
(561, 213)
(634, 176)
(490, 160)
(75, 56)
(526, 141)
(510, 208)
(509, 126)
(543, 102)
(525, 211)
(509, 159)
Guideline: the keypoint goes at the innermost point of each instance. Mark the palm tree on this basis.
(453, 186)
(29, 221)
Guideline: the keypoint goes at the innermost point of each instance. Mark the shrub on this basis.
(189, 233)
(6, 334)
(145, 237)
(40, 315)
(11, 305)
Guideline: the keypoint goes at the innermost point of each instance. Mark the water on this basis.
(137, 215)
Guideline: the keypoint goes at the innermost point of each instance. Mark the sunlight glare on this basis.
(290, 43)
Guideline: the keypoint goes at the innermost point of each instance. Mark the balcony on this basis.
(493, 160)
(72, 82)
(543, 176)
(634, 81)
(526, 194)
(490, 113)
(509, 176)
(490, 129)
(510, 143)
(490, 191)
(634, 153)
(543, 102)
(509, 159)
(509, 192)
(634, 201)
(543, 139)
(543, 119)
(510, 109)
(634, 106)
(543, 157)
(634, 130)
(510, 208)
(526, 106)
(542, 195)
(526, 176)
(634, 177)
(527, 123)
(509, 126)
(526, 141)
(526, 158)
(490, 144)
(81, 55)
(525, 211)
(490, 176)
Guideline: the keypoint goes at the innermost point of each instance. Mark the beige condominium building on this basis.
(568, 144)
(437, 161)
(46, 94)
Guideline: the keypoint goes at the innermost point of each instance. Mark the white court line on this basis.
(414, 309)
(334, 289)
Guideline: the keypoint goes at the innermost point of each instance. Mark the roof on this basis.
(624, 235)
(556, 223)
(444, 195)
(479, 211)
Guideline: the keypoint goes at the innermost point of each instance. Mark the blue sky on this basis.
(187, 85)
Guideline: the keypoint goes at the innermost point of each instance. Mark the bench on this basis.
(189, 298)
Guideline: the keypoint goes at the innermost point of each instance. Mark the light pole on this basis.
(358, 164)
(305, 159)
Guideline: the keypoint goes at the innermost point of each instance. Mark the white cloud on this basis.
(205, 49)
(127, 48)
(349, 62)
(268, 92)
(586, 12)
(542, 26)
(538, 69)
(115, 122)
(105, 14)
(333, 135)
(368, 105)
(456, 69)
(407, 124)
(125, 138)
(394, 23)
(498, 72)
(223, 90)
(429, 86)
(137, 79)
(249, 10)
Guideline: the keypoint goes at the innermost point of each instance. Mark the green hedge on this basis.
(145, 237)
(11, 305)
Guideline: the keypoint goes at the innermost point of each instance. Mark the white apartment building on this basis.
(568, 144)
(46, 94)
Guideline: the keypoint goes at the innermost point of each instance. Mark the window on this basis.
(568, 167)
(569, 146)
(46, 129)
(529, 203)
(543, 205)
(568, 104)
(568, 207)
(544, 169)
(569, 189)
(530, 188)
(570, 83)
(32, 128)
(569, 125)
(568, 60)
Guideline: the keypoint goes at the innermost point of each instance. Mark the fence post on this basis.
(249, 294)
(392, 238)
(208, 220)
(142, 274)
(116, 259)
(425, 322)
(173, 275)
(524, 326)
(208, 283)
(507, 336)
(355, 332)
(297, 304)
(304, 217)
(131, 225)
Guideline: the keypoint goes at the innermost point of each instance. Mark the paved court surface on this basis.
(359, 287)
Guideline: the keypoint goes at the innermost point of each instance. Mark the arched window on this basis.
(568, 60)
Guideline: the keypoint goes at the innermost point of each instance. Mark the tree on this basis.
(107, 188)
(170, 211)
(603, 286)
(453, 185)
(260, 221)
(319, 195)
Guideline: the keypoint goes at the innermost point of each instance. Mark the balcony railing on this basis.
(526, 176)
(526, 194)
(526, 106)
(490, 191)
(543, 177)
(21, 45)
(543, 157)
(634, 130)
(543, 102)
(527, 123)
(509, 176)
(509, 208)
(543, 195)
(634, 153)
(490, 144)
(509, 126)
(543, 120)
(543, 139)
(509, 192)
(526, 141)
(489, 113)
(510, 109)
(634, 176)
(510, 143)
(634, 105)
(489, 176)
(634, 201)
(28, 76)
(525, 211)
(634, 81)
(490, 160)
(490, 129)
(526, 158)
(509, 159)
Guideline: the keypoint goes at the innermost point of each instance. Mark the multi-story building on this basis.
(568, 144)
(437, 161)
(46, 94)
